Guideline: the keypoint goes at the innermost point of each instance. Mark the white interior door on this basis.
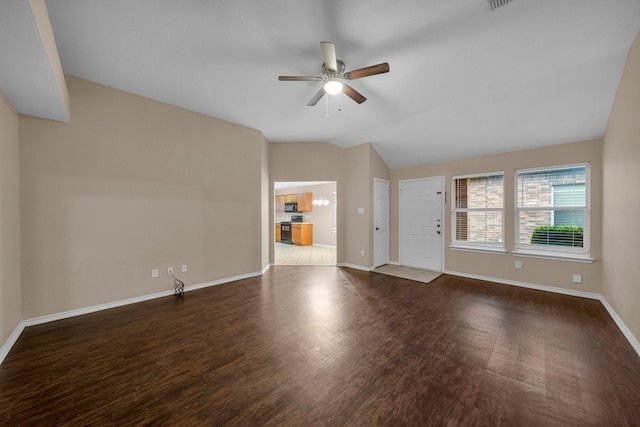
(380, 222)
(421, 223)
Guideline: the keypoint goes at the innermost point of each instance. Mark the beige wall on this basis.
(357, 225)
(621, 200)
(534, 270)
(10, 275)
(351, 169)
(132, 184)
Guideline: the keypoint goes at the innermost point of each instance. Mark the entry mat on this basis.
(424, 276)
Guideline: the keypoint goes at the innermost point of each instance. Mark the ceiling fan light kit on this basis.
(333, 87)
(334, 78)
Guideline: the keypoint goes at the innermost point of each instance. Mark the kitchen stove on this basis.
(285, 229)
(285, 232)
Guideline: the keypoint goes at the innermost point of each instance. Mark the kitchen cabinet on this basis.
(277, 232)
(302, 234)
(280, 203)
(305, 202)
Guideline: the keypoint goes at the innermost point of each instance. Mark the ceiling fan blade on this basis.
(353, 94)
(299, 78)
(329, 54)
(367, 71)
(313, 101)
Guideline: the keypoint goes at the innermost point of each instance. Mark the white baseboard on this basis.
(590, 295)
(6, 347)
(324, 246)
(581, 294)
(220, 281)
(106, 306)
(357, 267)
(623, 328)
(266, 268)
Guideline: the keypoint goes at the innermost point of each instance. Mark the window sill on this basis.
(554, 255)
(484, 249)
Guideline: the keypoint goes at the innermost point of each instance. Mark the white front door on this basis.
(380, 222)
(421, 223)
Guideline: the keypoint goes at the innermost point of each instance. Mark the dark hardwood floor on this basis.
(329, 346)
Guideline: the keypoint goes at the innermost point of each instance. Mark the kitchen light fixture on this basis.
(333, 86)
(320, 202)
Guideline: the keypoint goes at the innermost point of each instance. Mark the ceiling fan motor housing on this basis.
(332, 75)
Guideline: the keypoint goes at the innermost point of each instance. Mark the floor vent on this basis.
(494, 4)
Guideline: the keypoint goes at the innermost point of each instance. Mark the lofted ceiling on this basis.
(464, 80)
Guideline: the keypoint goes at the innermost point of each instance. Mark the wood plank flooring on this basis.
(308, 346)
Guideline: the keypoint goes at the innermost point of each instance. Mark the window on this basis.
(552, 211)
(478, 212)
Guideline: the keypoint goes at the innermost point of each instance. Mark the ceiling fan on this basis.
(334, 78)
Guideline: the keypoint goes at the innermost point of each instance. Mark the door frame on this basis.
(442, 216)
(375, 181)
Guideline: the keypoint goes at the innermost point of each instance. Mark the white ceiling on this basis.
(464, 80)
(27, 76)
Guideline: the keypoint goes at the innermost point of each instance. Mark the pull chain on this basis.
(327, 113)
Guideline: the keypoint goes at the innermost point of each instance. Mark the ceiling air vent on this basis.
(494, 4)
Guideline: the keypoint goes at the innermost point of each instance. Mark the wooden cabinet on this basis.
(278, 232)
(279, 203)
(304, 200)
(302, 234)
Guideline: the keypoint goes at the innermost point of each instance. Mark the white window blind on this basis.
(478, 211)
(552, 209)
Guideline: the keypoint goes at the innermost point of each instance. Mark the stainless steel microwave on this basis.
(291, 207)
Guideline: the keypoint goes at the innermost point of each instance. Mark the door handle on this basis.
(438, 231)
(377, 228)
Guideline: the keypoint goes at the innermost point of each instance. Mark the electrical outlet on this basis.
(577, 278)
(170, 270)
(154, 272)
(518, 264)
(362, 252)
(184, 268)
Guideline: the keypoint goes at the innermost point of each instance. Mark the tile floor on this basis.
(424, 276)
(320, 255)
(304, 255)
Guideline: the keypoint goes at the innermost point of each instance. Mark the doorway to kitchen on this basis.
(305, 214)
